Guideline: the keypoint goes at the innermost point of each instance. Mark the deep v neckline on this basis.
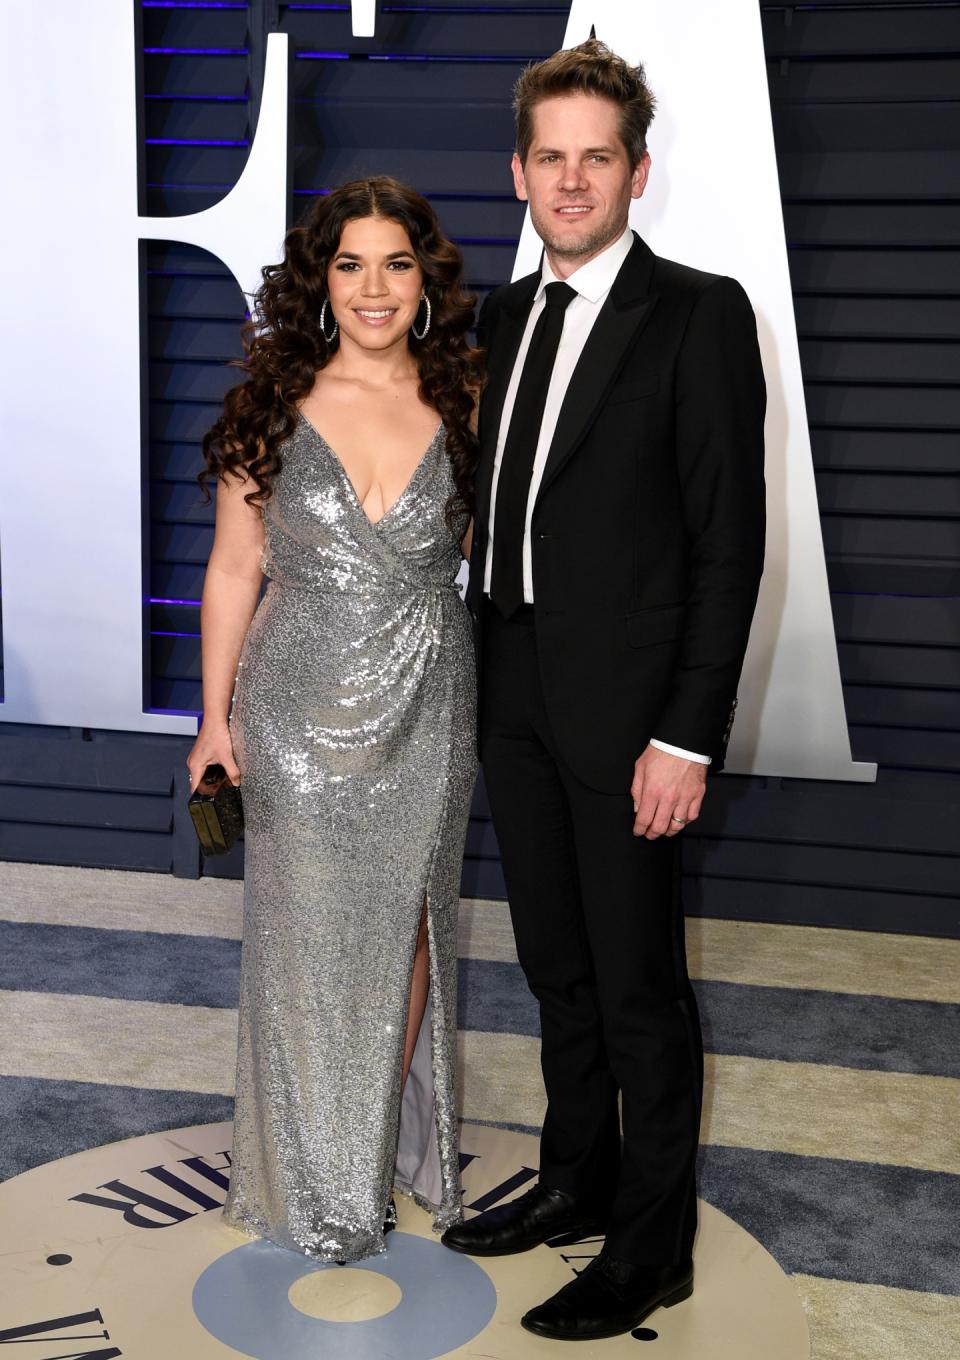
(373, 523)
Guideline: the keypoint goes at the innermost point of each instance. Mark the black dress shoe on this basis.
(607, 1298)
(390, 1217)
(541, 1215)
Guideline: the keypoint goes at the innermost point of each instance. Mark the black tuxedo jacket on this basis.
(648, 529)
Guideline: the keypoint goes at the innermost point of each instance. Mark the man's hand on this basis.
(667, 792)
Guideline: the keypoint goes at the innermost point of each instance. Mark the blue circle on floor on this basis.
(447, 1300)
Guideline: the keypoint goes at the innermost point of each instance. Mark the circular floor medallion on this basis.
(120, 1252)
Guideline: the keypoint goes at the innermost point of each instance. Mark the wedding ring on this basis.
(681, 820)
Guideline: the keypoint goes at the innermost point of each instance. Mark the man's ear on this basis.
(519, 186)
(640, 176)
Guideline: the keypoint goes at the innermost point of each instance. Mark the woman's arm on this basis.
(466, 543)
(231, 588)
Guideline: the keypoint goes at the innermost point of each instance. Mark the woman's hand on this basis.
(213, 746)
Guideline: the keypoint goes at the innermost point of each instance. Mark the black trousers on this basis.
(599, 929)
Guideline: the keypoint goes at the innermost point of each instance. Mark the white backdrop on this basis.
(71, 513)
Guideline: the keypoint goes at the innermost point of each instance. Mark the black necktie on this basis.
(519, 451)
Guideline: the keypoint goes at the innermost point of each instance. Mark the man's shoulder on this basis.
(683, 281)
(510, 296)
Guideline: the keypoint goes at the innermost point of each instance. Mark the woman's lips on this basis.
(375, 316)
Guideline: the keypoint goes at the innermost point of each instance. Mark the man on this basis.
(617, 553)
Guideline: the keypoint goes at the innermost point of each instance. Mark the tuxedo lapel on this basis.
(622, 317)
(501, 356)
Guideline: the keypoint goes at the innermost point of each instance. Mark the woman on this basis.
(344, 466)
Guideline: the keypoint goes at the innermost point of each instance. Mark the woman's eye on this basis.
(400, 266)
(347, 266)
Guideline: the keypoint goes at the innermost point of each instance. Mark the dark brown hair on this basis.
(590, 68)
(285, 346)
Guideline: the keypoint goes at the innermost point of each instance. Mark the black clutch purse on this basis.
(217, 811)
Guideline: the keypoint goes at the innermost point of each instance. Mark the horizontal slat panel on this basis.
(837, 31)
(196, 164)
(204, 298)
(824, 864)
(195, 340)
(910, 750)
(900, 361)
(86, 846)
(853, 908)
(84, 808)
(180, 544)
(176, 658)
(422, 121)
(890, 538)
(863, 493)
(176, 618)
(893, 272)
(176, 258)
(877, 175)
(871, 125)
(184, 696)
(186, 381)
(870, 663)
(886, 816)
(225, 866)
(937, 77)
(179, 503)
(877, 706)
(434, 33)
(891, 618)
(165, 200)
(483, 878)
(178, 118)
(181, 420)
(429, 170)
(174, 74)
(395, 82)
(860, 224)
(886, 450)
(185, 26)
(934, 408)
(890, 576)
(899, 318)
(177, 581)
(43, 759)
(176, 462)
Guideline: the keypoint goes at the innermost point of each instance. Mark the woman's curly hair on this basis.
(284, 344)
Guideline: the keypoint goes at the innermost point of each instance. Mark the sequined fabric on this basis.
(353, 724)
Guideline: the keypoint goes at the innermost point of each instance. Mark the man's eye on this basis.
(602, 160)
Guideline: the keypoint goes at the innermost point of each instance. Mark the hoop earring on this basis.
(323, 317)
(420, 335)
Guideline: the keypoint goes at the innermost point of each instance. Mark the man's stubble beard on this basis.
(576, 247)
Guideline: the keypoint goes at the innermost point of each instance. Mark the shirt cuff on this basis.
(679, 751)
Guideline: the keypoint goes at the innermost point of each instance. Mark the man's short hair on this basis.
(590, 68)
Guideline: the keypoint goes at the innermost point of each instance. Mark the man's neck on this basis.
(565, 265)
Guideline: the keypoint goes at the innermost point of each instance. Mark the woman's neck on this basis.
(373, 368)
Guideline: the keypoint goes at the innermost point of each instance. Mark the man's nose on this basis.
(573, 178)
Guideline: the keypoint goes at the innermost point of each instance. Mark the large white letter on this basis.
(72, 528)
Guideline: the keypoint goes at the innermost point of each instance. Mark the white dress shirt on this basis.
(591, 282)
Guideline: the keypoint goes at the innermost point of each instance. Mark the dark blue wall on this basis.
(867, 125)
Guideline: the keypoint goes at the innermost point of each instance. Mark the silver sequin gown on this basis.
(353, 724)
